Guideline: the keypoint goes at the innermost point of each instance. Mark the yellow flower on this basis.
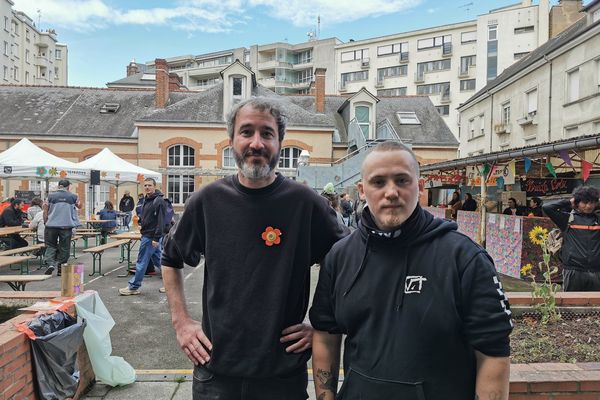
(526, 269)
(538, 235)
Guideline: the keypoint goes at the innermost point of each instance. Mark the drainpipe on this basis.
(549, 101)
(491, 120)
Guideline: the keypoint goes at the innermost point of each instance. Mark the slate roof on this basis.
(551, 45)
(135, 80)
(38, 110)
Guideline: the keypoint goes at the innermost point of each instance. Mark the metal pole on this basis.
(483, 213)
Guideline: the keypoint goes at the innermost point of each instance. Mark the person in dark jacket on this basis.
(513, 208)
(108, 213)
(152, 230)
(126, 206)
(578, 218)
(416, 327)
(535, 207)
(469, 204)
(13, 216)
(259, 233)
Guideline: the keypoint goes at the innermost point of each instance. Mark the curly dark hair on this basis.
(587, 194)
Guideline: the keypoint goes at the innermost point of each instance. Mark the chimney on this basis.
(161, 95)
(174, 82)
(320, 90)
(132, 68)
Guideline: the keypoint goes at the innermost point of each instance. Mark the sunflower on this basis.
(538, 235)
(526, 269)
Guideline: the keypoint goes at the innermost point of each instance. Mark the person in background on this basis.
(36, 206)
(513, 208)
(60, 217)
(37, 223)
(334, 202)
(415, 327)
(126, 206)
(346, 208)
(578, 219)
(13, 216)
(108, 213)
(535, 207)
(469, 204)
(455, 204)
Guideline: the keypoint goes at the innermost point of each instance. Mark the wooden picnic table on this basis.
(9, 230)
(90, 222)
(18, 282)
(10, 260)
(133, 237)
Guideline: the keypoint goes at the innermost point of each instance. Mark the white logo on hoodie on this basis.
(414, 284)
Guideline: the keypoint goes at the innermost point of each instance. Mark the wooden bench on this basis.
(18, 282)
(74, 240)
(99, 250)
(85, 234)
(25, 251)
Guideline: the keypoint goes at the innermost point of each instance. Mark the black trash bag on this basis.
(58, 338)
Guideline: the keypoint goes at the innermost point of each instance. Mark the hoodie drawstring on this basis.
(402, 280)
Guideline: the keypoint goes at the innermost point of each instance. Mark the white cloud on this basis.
(203, 15)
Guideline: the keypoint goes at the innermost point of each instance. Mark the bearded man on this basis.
(259, 233)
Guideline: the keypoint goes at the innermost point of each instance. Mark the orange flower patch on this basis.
(271, 236)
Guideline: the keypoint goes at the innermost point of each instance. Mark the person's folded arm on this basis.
(326, 364)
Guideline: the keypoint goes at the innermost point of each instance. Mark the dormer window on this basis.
(408, 118)
(362, 114)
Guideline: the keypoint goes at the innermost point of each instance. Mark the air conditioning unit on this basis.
(365, 63)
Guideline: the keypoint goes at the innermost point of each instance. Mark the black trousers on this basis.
(17, 241)
(208, 386)
(581, 281)
(58, 245)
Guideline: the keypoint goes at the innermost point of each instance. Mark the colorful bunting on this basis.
(500, 182)
(527, 164)
(564, 154)
(551, 169)
(586, 168)
(512, 168)
(486, 169)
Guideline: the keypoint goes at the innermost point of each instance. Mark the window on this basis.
(362, 114)
(304, 57)
(571, 131)
(5, 48)
(468, 37)
(179, 188)
(27, 77)
(304, 76)
(400, 70)
(492, 59)
(109, 108)
(434, 88)
(355, 55)
(289, 157)
(471, 128)
(492, 32)
(573, 85)
(392, 92)
(518, 56)
(16, 73)
(408, 118)
(26, 55)
(237, 86)
(437, 41)
(438, 65)
(524, 29)
(466, 62)
(58, 54)
(5, 73)
(35, 186)
(467, 84)
(6, 24)
(392, 49)
(531, 101)
(596, 16)
(181, 155)
(354, 76)
(27, 34)
(598, 73)
(506, 113)
(443, 110)
(228, 159)
(482, 125)
(55, 72)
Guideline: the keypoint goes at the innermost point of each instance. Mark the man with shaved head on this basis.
(424, 314)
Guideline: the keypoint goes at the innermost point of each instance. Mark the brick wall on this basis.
(555, 381)
(16, 368)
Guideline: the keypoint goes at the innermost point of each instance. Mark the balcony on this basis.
(403, 59)
(446, 49)
(501, 129)
(445, 97)
(419, 77)
(272, 64)
(529, 119)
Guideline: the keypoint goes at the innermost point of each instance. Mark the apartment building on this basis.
(448, 63)
(29, 56)
(288, 68)
(550, 95)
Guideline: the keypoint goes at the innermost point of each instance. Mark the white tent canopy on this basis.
(115, 170)
(26, 160)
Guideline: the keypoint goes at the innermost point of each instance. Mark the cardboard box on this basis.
(72, 280)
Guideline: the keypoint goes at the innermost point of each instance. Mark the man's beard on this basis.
(255, 171)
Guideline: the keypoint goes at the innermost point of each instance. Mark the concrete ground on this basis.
(142, 334)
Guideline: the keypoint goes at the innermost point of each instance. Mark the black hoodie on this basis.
(415, 304)
(153, 215)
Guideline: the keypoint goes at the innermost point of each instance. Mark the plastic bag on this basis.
(111, 370)
(56, 341)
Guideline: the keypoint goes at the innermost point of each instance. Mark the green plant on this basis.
(545, 290)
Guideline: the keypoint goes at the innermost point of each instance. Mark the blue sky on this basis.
(104, 35)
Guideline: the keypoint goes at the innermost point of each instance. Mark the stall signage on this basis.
(439, 180)
(474, 178)
(27, 195)
(547, 187)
